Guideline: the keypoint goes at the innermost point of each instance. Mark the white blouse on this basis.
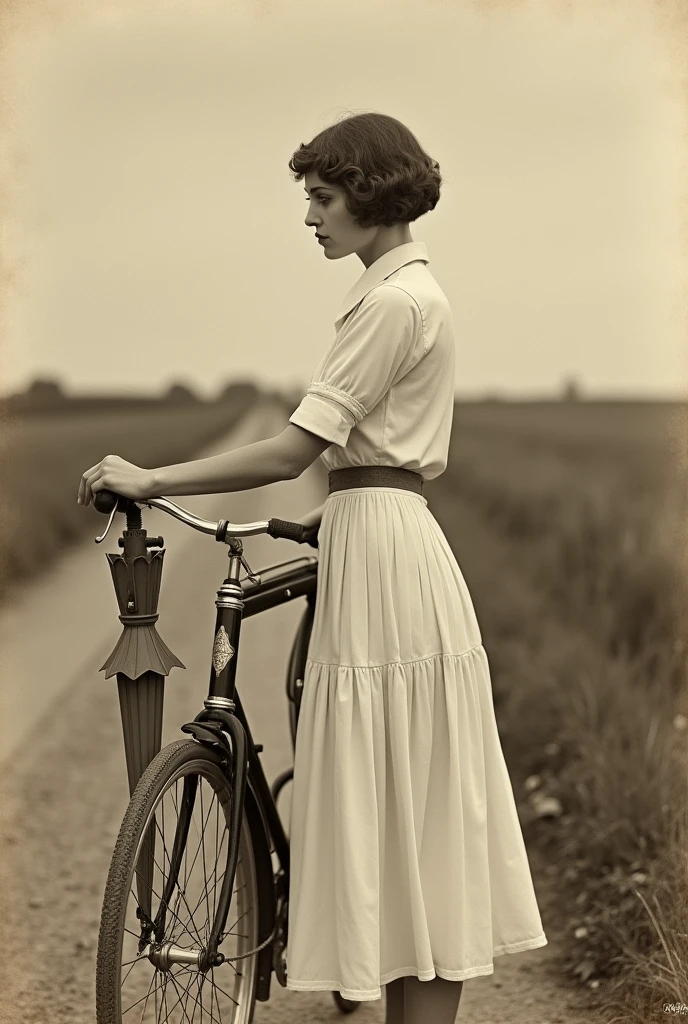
(383, 393)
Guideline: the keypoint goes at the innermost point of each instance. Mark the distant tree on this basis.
(571, 390)
(294, 393)
(180, 393)
(291, 396)
(44, 391)
(238, 388)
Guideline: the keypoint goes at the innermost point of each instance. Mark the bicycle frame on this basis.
(223, 724)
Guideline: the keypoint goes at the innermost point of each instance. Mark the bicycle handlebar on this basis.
(108, 502)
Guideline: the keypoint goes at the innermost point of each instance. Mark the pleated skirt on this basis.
(407, 855)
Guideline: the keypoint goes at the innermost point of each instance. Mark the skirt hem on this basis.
(364, 995)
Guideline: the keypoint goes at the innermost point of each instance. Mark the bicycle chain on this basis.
(241, 956)
(277, 929)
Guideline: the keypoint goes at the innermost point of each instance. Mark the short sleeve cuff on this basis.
(324, 417)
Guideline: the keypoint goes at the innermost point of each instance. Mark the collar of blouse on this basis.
(382, 267)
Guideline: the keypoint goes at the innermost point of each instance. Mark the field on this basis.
(43, 456)
(569, 523)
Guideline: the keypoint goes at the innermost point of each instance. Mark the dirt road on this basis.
(63, 775)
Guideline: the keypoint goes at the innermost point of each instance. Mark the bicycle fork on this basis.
(213, 726)
(207, 730)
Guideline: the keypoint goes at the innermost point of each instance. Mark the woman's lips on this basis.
(323, 238)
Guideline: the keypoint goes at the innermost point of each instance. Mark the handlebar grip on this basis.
(104, 501)
(288, 530)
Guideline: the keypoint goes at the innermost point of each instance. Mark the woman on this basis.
(409, 868)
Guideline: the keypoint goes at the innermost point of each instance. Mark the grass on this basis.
(42, 459)
(589, 658)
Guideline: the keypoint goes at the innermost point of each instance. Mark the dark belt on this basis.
(375, 476)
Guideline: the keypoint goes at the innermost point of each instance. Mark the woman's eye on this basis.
(322, 199)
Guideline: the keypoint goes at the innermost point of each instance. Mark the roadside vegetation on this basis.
(588, 651)
(44, 451)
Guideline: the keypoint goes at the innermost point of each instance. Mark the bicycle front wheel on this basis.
(144, 978)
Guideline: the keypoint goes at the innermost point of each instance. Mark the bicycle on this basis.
(176, 923)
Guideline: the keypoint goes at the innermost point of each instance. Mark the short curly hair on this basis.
(386, 174)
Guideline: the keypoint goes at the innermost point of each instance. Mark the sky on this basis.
(153, 234)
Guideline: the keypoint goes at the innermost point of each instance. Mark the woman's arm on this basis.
(252, 465)
(283, 457)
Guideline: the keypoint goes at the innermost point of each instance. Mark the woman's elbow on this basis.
(301, 448)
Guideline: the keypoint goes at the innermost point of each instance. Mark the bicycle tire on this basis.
(176, 761)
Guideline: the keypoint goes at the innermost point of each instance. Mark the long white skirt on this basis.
(407, 856)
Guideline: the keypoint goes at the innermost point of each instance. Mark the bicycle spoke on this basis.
(143, 1011)
(163, 875)
(217, 852)
(198, 996)
(198, 936)
(160, 987)
(237, 935)
(215, 985)
(199, 846)
(239, 919)
(159, 898)
(225, 833)
(180, 890)
(146, 997)
(210, 1011)
(205, 873)
(205, 893)
(214, 889)
(185, 993)
(217, 1001)
(139, 959)
(204, 818)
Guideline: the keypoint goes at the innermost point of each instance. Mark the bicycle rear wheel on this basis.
(139, 979)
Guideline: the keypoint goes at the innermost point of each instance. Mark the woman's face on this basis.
(327, 215)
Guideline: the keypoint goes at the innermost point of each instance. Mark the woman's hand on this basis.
(116, 474)
(312, 521)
